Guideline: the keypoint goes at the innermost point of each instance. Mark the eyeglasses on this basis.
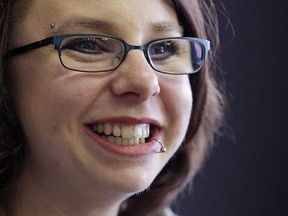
(101, 53)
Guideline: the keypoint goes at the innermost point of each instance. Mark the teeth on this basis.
(110, 139)
(118, 140)
(144, 133)
(116, 130)
(127, 132)
(123, 134)
(138, 132)
(107, 129)
(100, 128)
(125, 141)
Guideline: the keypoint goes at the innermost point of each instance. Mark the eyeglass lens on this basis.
(100, 53)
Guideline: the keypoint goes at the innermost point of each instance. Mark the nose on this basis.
(135, 78)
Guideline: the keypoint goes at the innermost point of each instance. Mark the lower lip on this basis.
(125, 150)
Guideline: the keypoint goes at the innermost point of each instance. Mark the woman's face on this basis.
(62, 111)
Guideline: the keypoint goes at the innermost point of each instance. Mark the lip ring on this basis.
(162, 149)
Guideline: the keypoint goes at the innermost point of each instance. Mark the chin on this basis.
(134, 182)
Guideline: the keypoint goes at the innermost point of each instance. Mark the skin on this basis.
(65, 171)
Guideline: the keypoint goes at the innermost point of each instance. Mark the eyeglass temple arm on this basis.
(29, 47)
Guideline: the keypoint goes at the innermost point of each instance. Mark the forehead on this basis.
(114, 15)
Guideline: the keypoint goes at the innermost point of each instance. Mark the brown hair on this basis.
(198, 19)
(11, 146)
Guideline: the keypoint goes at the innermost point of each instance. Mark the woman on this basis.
(107, 107)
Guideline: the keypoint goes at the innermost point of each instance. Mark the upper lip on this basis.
(126, 120)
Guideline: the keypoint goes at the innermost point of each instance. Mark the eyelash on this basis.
(173, 46)
(98, 43)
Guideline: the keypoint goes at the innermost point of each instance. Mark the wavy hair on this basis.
(11, 136)
(199, 19)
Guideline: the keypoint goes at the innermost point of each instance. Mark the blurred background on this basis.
(248, 175)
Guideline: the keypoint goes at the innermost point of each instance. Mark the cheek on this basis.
(47, 98)
(178, 104)
(62, 103)
(178, 96)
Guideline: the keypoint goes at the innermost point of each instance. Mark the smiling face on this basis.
(89, 135)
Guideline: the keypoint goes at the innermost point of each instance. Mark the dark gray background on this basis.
(249, 176)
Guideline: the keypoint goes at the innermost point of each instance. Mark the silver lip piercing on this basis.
(162, 149)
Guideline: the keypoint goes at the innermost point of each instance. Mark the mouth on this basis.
(124, 134)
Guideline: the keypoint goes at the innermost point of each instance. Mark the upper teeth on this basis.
(124, 131)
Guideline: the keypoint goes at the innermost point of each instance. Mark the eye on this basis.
(89, 45)
(162, 50)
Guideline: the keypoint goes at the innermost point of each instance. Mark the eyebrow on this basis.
(167, 26)
(90, 23)
(84, 22)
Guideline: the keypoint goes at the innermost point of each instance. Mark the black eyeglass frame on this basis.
(57, 40)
